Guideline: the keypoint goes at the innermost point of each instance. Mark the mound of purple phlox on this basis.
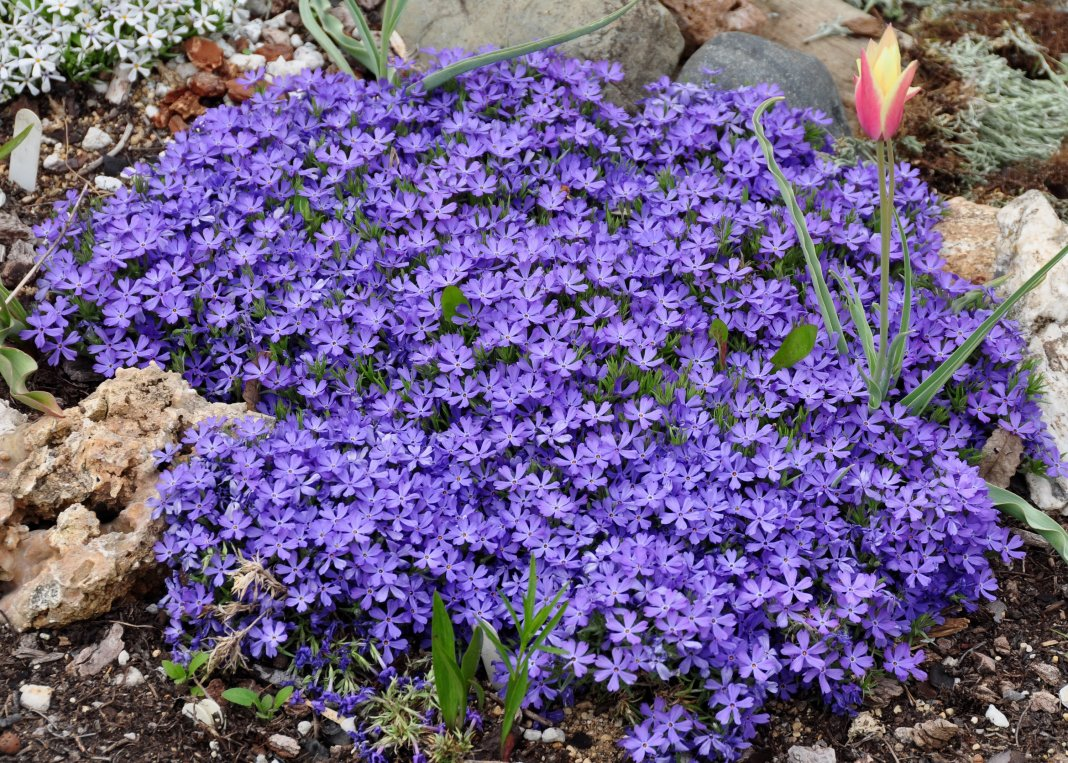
(730, 531)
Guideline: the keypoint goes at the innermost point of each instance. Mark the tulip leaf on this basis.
(831, 322)
(441, 76)
(15, 367)
(796, 346)
(14, 143)
(918, 400)
(1035, 519)
(310, 13)
(451, 299)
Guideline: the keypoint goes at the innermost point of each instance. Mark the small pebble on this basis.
(549, 736)
(36, 697)
(107, 183)
(532, 735)
(1062, 695)
(997, 717)
(304, 728)
(124, 658)
(283, 746)
(10, 744)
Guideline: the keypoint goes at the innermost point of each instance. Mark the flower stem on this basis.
(884, 151)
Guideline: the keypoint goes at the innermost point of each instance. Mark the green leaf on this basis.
(198, 661)
(309, 16)
(377, 64)
(718, 331)
(14, 307)
(174, 671)
(796, 346)
(15, 367)
(513, 700)
(860, 321)
(831, 322)
(529, 600)
(241, 696)
(40, 401)
(447, 681)
(1035, 519)
(900, 344)
(441, 76)
(283, 696)
(12, 144)
(502, 650)
(469, 663)
(451, 299)
(918, 400)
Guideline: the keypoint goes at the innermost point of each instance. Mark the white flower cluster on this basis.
(42, 41)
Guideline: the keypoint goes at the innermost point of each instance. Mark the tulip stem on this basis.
(885, 156)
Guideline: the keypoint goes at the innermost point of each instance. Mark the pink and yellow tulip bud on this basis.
(882, 88)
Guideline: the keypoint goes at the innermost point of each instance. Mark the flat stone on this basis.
(26, 157)
(93, 659)
(283, 746)
(1049, 674)
(798, 754)
(741, 60)
(204, 53)
(1045, 702)
(647, 41)
(207, 85)
(553, 735)
(10, 419)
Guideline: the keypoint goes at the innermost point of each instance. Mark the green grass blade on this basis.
(308, 16)
(441, 76)
(1036, 520)
(12, 144)
(831, 321)
(921, 397)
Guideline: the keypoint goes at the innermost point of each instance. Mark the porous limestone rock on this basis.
(969, 239)
(82, 482)
(1030, 235)
(646, 41)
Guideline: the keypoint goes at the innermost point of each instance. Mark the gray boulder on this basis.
(745, 59)
(647, 41)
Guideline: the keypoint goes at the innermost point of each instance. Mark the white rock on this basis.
(54, 161)
(1063, 695)
(252, 31)
(277, 22)
(227, 49)
(151, 111)
(131, 735)
(27, 156)
(3, 198)
(996, 717)
(10, 419)
(132, 677)
(1030, 234)
(310, 56)
(296, 41)
(186, 70)
(206, 712)
(286, 747)
(96, 139)
(552, 735)
(35, 697)
(304, 728)
(532, 735)
(107, 183)
(248, 62)
(279, 68)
